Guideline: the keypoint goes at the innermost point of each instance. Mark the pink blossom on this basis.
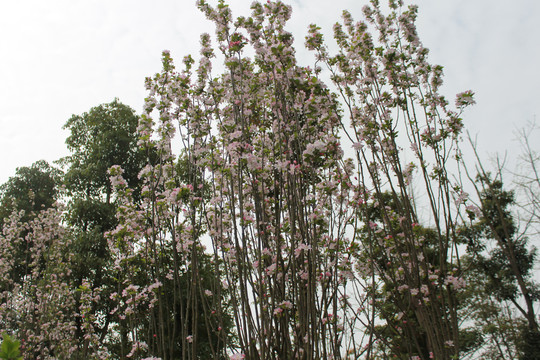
(464, 99)
(301, 247)
(456, 282)
(237, 356)
(271, 269)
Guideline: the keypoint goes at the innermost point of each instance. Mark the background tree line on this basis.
(99, 139)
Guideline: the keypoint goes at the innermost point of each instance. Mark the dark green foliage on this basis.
(32, 189)
(512, 258)
(470, 339)
(400, 334)
(103, 137)
(497, 218)
(501, 264)
(529, 344)
(501, 280)
(185, 303)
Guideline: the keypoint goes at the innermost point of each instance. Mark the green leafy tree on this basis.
(501, 266)
(104, 136)
(32, 189)
(100, 138)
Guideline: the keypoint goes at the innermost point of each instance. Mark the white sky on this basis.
(62, 57)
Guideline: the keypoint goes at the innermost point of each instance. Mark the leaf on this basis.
(9, 350)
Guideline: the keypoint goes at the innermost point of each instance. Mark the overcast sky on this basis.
(62, 57)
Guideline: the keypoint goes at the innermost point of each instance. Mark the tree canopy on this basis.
(32, 189)
(273, 210)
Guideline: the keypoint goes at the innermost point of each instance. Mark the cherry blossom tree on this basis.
(392, 96)
(38, 309)
(312, 245)
(277, 217)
